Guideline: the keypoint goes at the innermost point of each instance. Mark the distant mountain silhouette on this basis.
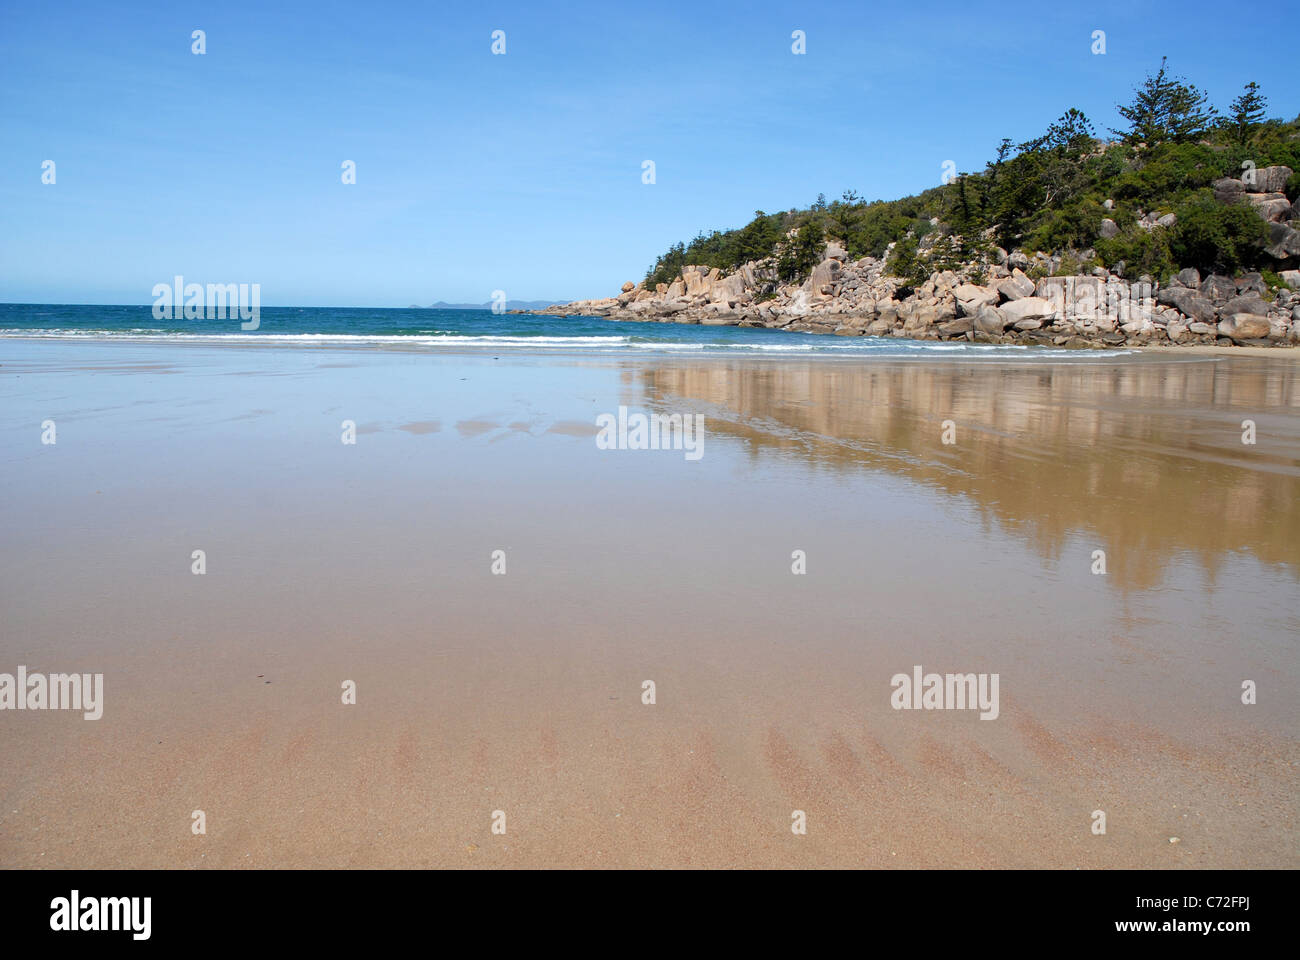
(510, 305)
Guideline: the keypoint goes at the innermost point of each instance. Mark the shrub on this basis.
(1143, 251)
(1217, 238)
(906, 263)
(1274, 280)
(1069, 267)
(1074, 226)
(801, 253)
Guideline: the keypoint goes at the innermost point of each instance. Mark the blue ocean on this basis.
(427, 328)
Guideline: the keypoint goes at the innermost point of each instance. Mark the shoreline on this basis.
(948, 351)
(1019, 300)
(1009, 339)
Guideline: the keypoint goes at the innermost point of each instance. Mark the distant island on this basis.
(1180, 229)
(525, 306)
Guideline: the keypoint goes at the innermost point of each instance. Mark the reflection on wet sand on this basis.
(523, 692)
(1143, 455)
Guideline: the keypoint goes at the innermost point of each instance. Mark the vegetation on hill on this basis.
(1049, 194)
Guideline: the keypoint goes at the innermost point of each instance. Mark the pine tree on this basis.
(961, 216)
(1071, 134)
(1247, 113)
(991, 196)
(1165, 108)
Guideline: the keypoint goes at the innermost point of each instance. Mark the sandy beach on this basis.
(521, 692)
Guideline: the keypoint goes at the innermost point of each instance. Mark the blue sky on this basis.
(519, 172)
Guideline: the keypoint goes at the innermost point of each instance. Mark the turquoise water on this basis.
(428, 328)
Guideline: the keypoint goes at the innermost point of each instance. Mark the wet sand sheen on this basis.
(522, 692)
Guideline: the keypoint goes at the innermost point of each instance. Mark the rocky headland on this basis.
(1012, 297)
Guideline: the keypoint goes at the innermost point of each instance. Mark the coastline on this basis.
(1017, 300)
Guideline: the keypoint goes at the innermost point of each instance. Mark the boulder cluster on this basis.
(1012, 298)
(1262, 189)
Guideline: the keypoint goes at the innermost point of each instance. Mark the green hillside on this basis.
(1049, 194)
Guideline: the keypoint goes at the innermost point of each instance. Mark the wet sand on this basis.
(521, 693)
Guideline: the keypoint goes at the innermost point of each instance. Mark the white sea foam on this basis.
(350, 338)
(885, 347)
